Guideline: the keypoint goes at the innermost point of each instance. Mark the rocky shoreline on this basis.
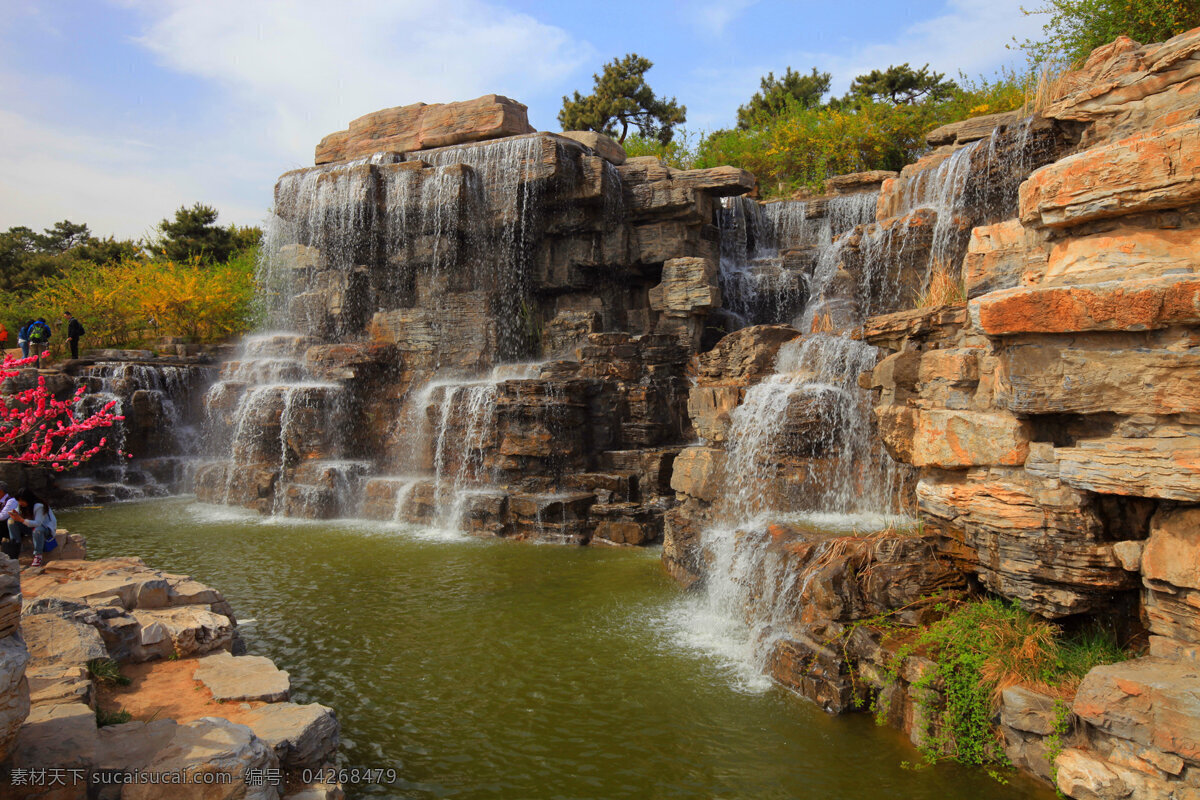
(116, 677)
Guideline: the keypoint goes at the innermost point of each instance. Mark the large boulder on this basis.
(14, 690)
(211, 745)
(1151, 701)
(301, 736)
(53, 639)
(405, 129)
(1156, 169)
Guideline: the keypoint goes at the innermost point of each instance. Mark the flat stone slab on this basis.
(301, 735)
(243, 678)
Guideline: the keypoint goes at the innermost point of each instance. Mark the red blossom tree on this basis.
(37, 429)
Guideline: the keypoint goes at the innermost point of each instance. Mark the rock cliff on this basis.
(976, 375)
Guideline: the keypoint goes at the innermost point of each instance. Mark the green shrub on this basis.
(1076, 27)
(980, 648)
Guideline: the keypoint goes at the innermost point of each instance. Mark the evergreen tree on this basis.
(622, 98)
(901, 85)
(194, 234)
(795, 88)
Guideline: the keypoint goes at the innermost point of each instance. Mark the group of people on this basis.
(28, 515)
(34, 336)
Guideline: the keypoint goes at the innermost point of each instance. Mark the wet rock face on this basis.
(432, 250)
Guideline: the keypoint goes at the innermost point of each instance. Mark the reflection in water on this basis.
(495, 669)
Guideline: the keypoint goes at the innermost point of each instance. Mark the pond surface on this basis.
(494, 669)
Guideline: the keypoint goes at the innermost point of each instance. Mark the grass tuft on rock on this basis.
(105, 670)
(981, 647)
(104, 717)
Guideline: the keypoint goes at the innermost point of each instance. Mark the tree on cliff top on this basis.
(777, 94)
(1077, 27)
(901, 85)
(622, 98)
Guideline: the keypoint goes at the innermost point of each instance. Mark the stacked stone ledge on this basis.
(77, 612)
(1053, 418)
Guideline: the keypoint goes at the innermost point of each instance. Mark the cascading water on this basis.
(767, 264)
(801, 449)
(157, 431)
(449, 236)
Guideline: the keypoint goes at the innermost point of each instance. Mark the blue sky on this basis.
(116, 113)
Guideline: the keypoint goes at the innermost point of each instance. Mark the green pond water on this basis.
(494, 669)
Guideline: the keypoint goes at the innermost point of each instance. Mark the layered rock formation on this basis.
(525, 334)
(81, 615)
(490, 337)
(1048, 422)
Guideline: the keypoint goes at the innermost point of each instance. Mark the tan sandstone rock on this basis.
(698, 471)
(210, 745)
(1152, 170)
(1133, 305)
(1150, 701)
(604, 146)
(420, 127)
(1164, 467)
(14, 690)
(1003, 256)
(231, 677)
(303, 736)
(949, 439)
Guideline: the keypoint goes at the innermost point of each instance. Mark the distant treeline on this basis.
(191, 278)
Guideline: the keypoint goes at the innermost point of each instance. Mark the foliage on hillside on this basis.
(194, 279)
(800, 146)
(133, 301)
(1076, 27)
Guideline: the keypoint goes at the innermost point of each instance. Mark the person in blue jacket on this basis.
(23, 337)
(39, 337)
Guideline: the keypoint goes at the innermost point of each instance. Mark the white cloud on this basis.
(305, 69)
(973, 36)
(713, 17)
(116, 186)
(270, 79)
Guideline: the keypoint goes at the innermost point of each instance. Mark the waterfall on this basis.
(448, 233)
(158, 430)
(801, 451)
(803, 465)
(767, 267)
(811, 408)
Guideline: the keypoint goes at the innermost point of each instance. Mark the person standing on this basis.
(74, 331)
(23, 338)
(39, 338)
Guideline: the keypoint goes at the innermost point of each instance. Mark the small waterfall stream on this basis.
(801, 449)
